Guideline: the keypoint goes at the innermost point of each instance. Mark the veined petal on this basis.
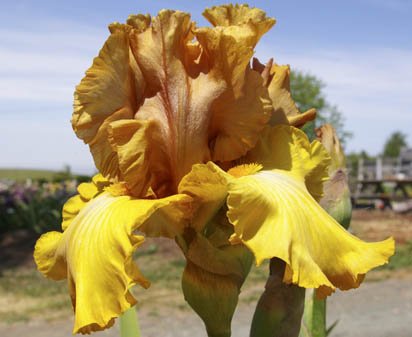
(95, 254)
(110, 91)
(275, 216)
(87, 191)
(140, 161)
(243, 108)
(232, 15)
(318, 170)
(195, 85)
(287, 148)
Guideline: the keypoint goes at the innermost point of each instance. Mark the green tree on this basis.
(394, 144)
(307, 92)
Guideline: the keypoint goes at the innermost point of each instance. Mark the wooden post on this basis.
(360, 169)
(379, 174)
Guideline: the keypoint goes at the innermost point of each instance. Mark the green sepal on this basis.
(280, 308)
(212, 279)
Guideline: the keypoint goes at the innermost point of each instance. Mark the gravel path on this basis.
(378, 309)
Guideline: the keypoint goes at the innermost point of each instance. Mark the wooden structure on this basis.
(385, 182)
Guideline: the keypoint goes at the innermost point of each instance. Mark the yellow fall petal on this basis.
(287, 148)
(100, 181)
(95, 254)
(48, 263)
(319, 167)
(71, 208)
(172, 219)
(275, 216)
(87, 191)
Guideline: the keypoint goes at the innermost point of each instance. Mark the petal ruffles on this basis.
(277, 79)
(194, 84)
(287, 148)
(275, 216)
(95, 254)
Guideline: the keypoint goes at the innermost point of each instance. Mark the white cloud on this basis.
(372, 87)
(38, 72)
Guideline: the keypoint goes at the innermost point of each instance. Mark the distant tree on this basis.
(394, 144)
(307, 92)
(64, 174)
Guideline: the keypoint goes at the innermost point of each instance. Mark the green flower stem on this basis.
(129, 325)
(314, 317)
(280, 308)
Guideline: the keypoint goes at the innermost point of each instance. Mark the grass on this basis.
(401, 259)
(25, 294)
(23, 174)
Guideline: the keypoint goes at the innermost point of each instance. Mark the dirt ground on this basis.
(381, 307)
(373, 225)
(378, 309)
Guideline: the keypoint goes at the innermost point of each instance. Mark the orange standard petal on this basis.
(277, 79)
(193, 86)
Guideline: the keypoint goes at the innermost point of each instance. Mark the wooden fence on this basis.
(385, 182)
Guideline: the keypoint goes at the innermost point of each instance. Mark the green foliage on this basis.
(23, 174)
(307, 92)
(33, 206)
(394, 144)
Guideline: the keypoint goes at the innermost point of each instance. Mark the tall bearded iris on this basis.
(194, 144)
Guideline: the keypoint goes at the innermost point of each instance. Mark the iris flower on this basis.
(183, 130)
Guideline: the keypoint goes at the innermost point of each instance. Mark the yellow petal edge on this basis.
(95, 252)
(275, 215)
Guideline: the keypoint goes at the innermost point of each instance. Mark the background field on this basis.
(22, 174)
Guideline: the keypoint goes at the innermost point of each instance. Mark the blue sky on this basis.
(361, 50)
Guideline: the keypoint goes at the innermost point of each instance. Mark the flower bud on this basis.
(336, 199)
